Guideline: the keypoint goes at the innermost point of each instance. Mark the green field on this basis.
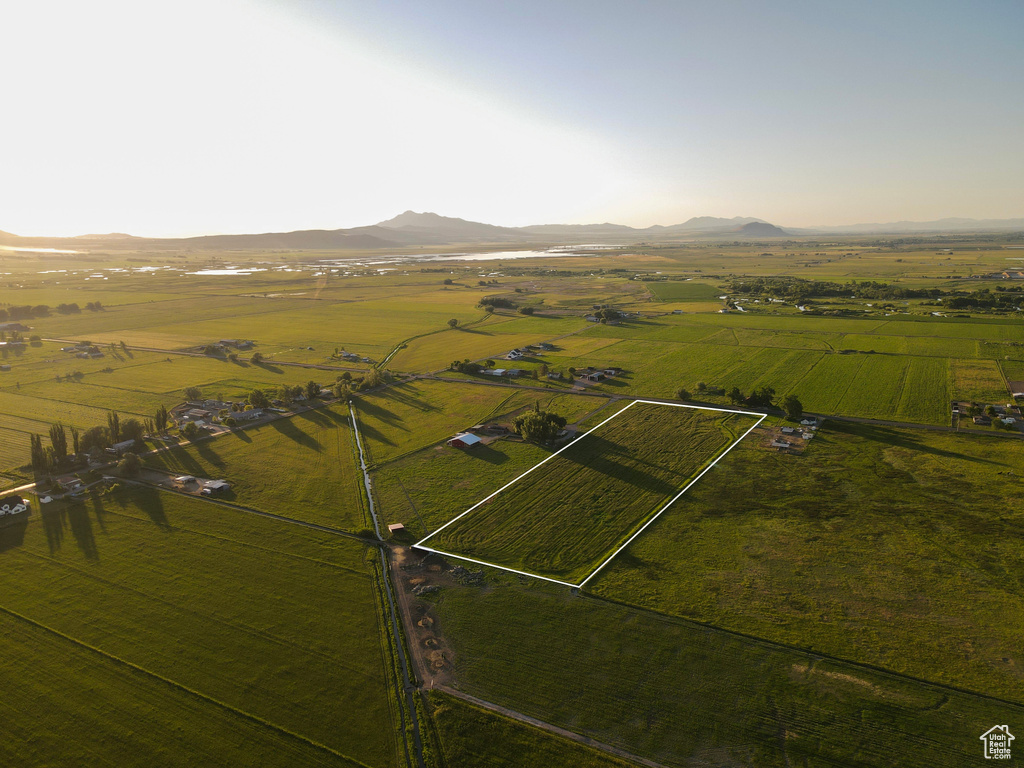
(302, 467)
(142, 608)
(895, 548)
(475, 738)
(565, 517)
(410, 416)
(684, 694)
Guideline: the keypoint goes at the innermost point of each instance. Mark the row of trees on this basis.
(58, 455)
(762, 397)
(28, 311)
(797, 289)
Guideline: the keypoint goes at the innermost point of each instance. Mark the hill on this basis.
(760, 229)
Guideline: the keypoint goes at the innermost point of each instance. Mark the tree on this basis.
(761, 398)
(701, 386)
(193, 393)
(735, 396)
(990, 411)
(95, 439)
(793, 407)
(130, 465)
(312, 390)
(114, 426)
(453, 323)
(75, 439)
(683, 394)
(38, 454)
(258, 399)
(161, 419)
(543, 369)
(256, 359)
(190, 430)
(131, 429)
(342, 391)
(447, 281)
(59, 443)
(526, 310)
(538, 426)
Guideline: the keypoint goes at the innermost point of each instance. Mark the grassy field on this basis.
(472, 737)
(410, 416)
(684, 695)
(895, 548)
(142, 607)
(564, 518)
(302, 467)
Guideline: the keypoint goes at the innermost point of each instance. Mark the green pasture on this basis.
(411, 416)
(472, 737)
(565, 517)
(679, 290)
(891, 547)
(684, 694)
(185, 615)
(302, 467)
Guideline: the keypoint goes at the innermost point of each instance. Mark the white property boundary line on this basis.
(420, 544)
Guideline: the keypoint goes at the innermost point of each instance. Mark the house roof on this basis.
(466, 438)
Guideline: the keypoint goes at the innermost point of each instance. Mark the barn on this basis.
(464, 440)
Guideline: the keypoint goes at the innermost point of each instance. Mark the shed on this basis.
(396, 528)
(463, 440)
(183, 480)
(780, 444)
(211, 487)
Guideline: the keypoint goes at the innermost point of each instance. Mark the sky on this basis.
(209, 116)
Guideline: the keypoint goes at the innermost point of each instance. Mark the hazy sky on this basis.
(204, 116)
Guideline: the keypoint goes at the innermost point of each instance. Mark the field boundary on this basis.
(421, 543)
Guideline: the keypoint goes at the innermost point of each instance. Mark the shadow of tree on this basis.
(12, 534)
(291, 430)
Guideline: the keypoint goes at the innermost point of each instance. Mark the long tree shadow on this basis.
(52, 517)
(367, 408)
(290, 429)
(12, 534)
(486, 453)
(890, 436)
(150, 501)
(611, 459)
(81, 529)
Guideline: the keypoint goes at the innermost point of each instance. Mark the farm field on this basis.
(565, 517)
(302, 467)
(684, 694)
(475, 738)
(193, 618)
(410, 416)
(891, 547)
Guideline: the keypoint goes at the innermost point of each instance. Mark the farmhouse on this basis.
(463, 440)
(612, 371)
(788, 430)
(515, 354)
(252, 413)
(594, 376)
(182, 481)
(497, 372)
(513, 372)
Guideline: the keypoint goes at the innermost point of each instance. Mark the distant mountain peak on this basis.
(760, 229)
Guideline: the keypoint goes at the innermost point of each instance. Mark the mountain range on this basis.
(411, 229)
